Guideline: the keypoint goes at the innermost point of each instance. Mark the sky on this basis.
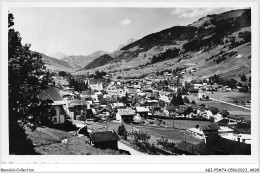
(82, 31)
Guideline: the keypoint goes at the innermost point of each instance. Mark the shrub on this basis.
(166, 144)
(141, 137)
(186, 100)
(239, 84)
(211, 119)
(189, 110)
(224, 113)
(63, 74)
(214, 110)
(244, 89)
(161, 103)
(122, 131)
(243, 78)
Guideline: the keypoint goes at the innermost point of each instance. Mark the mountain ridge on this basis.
(99, 61)
(58, 55)
(206, 36)
(54, 64)
(131, 40)
(81, 61)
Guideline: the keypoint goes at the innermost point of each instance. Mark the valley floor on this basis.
(229, 97)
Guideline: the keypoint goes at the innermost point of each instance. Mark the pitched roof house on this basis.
(117, 105)
(210, 129)
(184, 147)
(142, 111)
(217, 145)
(125, 115)
(205, 131)
(105, 110)
(105, 139)
(57, 105)
(50, 93)
(77, 102)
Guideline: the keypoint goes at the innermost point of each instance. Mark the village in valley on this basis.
(158, 114)
(185, 90)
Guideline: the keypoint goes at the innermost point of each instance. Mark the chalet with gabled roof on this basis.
(125, 115)
(105, 139)
(58, 105)
(216, 145)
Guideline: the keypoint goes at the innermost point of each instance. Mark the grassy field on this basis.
(47, 136)
(231, 68)
(173, 134)
(101, 126)
(236, 111)
(185, 124)
(180, 124)
(48, 141)
(75, 146)
(231, 96)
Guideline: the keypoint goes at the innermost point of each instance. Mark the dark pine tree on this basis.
(179, 99)
(174, 100)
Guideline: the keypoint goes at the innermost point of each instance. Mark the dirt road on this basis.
(127, 148)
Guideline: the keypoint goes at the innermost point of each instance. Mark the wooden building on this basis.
(105, 139)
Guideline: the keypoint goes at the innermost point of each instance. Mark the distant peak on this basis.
(129, 41)
(200, 22)
(98, 53)
(58, 55)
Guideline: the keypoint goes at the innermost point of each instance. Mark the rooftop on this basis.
(127, 111)
(118, 104)
(212, 126)
(77, 102)
(104, 136)
(51, 93)
(218, 145)
(142, 109)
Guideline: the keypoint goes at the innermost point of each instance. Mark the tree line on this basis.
(78, 85)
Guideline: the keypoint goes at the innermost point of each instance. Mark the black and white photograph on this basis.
(144, 81)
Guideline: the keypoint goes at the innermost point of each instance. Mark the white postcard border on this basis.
(181, 160)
